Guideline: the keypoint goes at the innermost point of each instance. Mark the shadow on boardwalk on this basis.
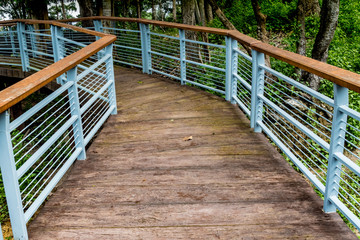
(141, 180)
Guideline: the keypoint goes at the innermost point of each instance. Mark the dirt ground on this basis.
(6, 229)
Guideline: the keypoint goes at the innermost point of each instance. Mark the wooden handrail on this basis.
(20, 90)
(335, 74)
(55, 23)
(154, 22)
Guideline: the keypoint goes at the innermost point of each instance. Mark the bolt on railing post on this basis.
(10, 180)
(111, 76)
(22, 46)
(145, 47)
(32, 40)
(75, 111)
(257, 88)
(228, 69)
(338, 132)
(58, 47)
(182, 56)
(234, 66)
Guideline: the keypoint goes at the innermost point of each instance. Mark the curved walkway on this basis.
(143, 180)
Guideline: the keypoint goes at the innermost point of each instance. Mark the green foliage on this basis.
(280, 14)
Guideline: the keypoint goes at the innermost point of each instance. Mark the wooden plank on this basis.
(269, 231)
(141, 180)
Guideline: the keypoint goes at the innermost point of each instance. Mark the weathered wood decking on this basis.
(141, 180)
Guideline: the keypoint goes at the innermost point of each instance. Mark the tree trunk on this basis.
(107, 7)
(311, 7)
(23, 10)
(86, 11)
(301, 45)
(197, 13)
(261, 22)
(328, 23)
(204, 35)
(225, 21)
(99, 8)
(153, 10)
(201, 5)
(188, 9)
(221, 15)
(126, 8)
(39, 11)
(138, 8)
(63, 9)
(304, 8)
(208, 12)
(174, 10)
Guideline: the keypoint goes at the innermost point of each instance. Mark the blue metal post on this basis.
(98, 27)
(228, 68)
(234, 66)
(55, 42)
(182, 56)
(32, 39)
(58, 47)
(10, 180)
(75, 111)
(338, 131)
(5, 37)
(1, 235)
(12, 41)
(145, 47)
(257, 88)
(22, 45)
(111, 76)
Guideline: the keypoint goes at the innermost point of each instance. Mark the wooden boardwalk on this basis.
(141, 180)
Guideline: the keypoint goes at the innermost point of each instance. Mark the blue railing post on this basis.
(22, 46)
(110, 75)
(145, 47)
(10, 180)
(99, 28)
(228, 73)
(234, 66)
(1, 235)
(75, 111)
(338, 131)
(12, 41)
(58, 47)
(32, 39)
(257, 88)
(182, 56)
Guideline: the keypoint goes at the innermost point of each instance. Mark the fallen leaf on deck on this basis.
(187, 138)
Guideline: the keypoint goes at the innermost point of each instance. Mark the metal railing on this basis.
(319, 134)
(39, 146)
